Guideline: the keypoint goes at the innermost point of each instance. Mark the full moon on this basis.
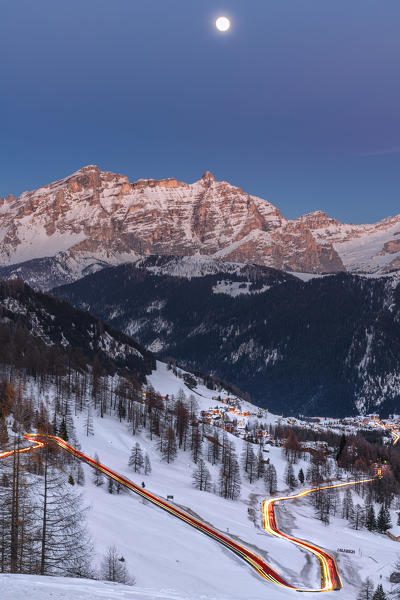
(223, 24)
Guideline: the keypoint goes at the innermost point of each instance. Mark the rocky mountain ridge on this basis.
(92, 219)
(329, 346)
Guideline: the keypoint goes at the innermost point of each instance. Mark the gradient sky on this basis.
(299, 103)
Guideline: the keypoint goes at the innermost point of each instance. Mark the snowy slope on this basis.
(169, 554)
(172, 556)
(366, 252)
(165, 382)
(172, 561)
(20, 587)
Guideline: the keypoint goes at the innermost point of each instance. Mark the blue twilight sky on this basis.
(299, 103)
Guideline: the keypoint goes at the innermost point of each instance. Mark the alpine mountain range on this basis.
(304, 314)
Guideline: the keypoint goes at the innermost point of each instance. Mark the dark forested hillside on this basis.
(44, 336)
(330, 346)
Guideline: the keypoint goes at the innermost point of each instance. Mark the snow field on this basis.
(171, 560)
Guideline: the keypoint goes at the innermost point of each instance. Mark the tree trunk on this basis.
(44, 520)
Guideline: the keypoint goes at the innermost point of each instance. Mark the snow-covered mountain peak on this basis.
(95, 217)
(169, 182)
(318, 219)
(86, 169)
(208, 177)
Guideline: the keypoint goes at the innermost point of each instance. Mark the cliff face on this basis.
(93, 218)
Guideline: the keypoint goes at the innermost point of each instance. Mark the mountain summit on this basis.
(93, 218)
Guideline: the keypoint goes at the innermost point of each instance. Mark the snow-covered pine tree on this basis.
(80, 475)
(251, 464)
(202, 476)
(247, 452)
(64, 543)
(383, 522)
(136, 460)
(214, 447)
(347, 505)
(98, 477)
(301, 477)
(358, 517)
(63, 434)
(367, 590)
(89, 429)
(193, 407)
(229, 475)
(181, 418)
(370, 518)
(169, 449)
(290, 478)
(260, 463)
(195, 442)
(335, 503)
(379, 594)
(147, 465)
(270, 478)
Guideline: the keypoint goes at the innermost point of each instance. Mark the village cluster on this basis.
(229, 415)
(242, 423)
(349, 425)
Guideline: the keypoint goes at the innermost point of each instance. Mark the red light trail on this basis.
(330, 579)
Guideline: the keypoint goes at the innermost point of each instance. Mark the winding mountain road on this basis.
(330, 579)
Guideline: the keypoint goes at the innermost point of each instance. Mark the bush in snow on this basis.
(113, 568)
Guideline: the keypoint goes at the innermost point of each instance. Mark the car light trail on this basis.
(394, 431)
(255, 561)
(37, 444)
(330, 579)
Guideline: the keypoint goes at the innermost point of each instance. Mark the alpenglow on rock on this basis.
(92, 219)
